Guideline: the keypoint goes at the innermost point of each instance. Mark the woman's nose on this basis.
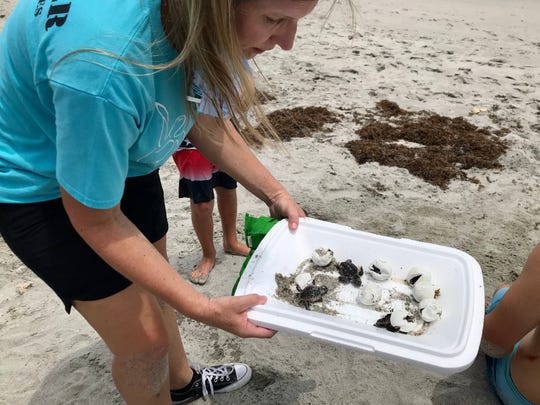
(285, 37)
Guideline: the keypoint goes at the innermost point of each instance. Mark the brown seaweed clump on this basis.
(430, 146)
(301, 122)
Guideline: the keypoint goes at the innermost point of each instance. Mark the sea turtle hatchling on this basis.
(311, 293)
(385, 323)
(349, 273)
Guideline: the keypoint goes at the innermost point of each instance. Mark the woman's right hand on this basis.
(230, 314)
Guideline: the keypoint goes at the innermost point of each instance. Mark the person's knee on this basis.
(491, 349)
(203, 207)
(144, 371)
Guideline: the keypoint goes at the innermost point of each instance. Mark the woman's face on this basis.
(263, 24)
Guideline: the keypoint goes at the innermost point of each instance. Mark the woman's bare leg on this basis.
(142, 334)
(131, 324)
(179, 371)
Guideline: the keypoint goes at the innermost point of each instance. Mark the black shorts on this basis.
(203, 190)
(42, 236)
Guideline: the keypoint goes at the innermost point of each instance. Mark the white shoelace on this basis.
(212, 373)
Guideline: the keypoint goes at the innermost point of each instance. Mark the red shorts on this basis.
(199, 177)
(193, 166)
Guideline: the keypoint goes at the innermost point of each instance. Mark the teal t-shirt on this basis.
(74, 111)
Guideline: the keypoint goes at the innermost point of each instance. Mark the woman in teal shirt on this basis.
(94, 98)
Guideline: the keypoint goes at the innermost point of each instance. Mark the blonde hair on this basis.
(217, 56)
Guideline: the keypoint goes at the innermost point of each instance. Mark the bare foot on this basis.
(199, 275)
(237, 248)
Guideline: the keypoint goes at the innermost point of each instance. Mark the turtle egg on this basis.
(423, 290)
(417, 274)
(430, 309)
(302, 280)
(322, 256)
(380, 270)
(403, 320)
(370, 294)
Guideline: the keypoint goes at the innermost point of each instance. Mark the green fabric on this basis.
(256, 229)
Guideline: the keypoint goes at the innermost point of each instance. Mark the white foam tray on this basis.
(448, 346)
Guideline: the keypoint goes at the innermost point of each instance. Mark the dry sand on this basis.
(439, 56)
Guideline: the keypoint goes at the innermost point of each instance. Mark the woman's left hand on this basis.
(284, 206)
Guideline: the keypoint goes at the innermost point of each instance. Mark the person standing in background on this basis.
(198, 179)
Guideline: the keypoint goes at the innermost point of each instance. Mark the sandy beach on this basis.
(479, 61)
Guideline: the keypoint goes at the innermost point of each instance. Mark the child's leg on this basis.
(203, 224)
(227, 207)
(197, 184)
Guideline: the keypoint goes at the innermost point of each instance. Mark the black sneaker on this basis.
(213, 380)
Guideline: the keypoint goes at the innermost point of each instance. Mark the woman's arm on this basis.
(231, 154)
(119, 243)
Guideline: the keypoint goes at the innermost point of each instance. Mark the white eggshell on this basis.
(399, 320)
(322, 256)
(430, 309)
(302, 280)
(370, 294)
(417, 274)
(423, 290)
(385, 270)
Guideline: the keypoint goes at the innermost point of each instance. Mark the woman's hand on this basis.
(284, 206)
(230, 314)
